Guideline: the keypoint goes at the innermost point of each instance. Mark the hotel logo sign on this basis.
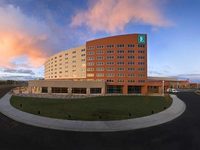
(141, 39)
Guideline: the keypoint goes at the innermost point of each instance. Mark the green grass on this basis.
(96, 108)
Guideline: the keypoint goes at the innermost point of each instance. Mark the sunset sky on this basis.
(32, 30)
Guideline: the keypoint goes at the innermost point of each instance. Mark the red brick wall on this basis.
(116, 40)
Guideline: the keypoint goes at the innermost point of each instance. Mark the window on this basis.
(90, 63)
(110, 63)
(100, 74)
(120, 75)
(99, 69)
(90, 69)
(90, 47)
(45, 89)
(130, 51)
(110, 74)
(90, 75)
(141, 51)
(82, 59)
(110, 46)
(141, 75)
(82, 55)
(115, 89)
(79, 90)
(131, 57)
(110, 57)
(73, 52)
(83, 50)
(120, 80)
(59, 90)
(110, 51)
(131, 45)
(120, 57)
(100, 63)
(90, 58)
(131, 75)
(140, 63)
(141, 57)
(100, 52)
(134, 89)
(110, 80)
(74, 61)
(120, 51)
(130, 63)
(120, 45)
(100, 46)
(110, 69)
(89, 53)
(99, 57)
(131, 81)
(120, 69)
(73, 56)
(131, 69)
(141, 45)
(95, 90)
(141, 69)
(141, 81)
(120, 63)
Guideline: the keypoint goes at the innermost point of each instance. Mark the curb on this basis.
(175, 110)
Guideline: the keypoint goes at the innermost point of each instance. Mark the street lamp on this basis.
(163, 87)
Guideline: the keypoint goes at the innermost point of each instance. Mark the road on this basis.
(182, 133)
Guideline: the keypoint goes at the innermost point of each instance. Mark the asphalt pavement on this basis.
(182, 133)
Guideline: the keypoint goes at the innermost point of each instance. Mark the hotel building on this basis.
(111, 65)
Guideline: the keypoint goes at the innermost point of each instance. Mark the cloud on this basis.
(19, 71)
(193, 77)
(22, 35)
(18, 77)
(113, 15)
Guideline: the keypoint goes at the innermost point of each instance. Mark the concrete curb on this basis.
(175, 110)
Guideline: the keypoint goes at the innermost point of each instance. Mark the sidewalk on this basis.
(175, 110)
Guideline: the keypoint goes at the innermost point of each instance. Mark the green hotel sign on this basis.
(141, 39)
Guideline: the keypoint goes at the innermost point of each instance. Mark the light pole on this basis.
(163, 87)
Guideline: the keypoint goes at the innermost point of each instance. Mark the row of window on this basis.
(112, 57)
(121, 81)
(71, 76)
(113, 75)
(112, 46)
(112, 63)
(113, 69)
(112, 52)
(66, 54)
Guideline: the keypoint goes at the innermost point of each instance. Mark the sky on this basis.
(33, 30)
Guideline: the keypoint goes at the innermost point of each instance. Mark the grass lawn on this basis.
(96, 108)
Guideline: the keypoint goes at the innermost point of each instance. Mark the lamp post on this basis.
(163, 87)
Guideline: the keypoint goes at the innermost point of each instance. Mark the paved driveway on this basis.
(182, 133)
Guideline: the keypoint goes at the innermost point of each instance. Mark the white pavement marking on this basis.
(175, 110)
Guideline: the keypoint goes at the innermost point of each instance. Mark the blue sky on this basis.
(32, 30)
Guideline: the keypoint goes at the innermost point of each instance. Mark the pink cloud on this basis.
(21, 35)
(113, 15)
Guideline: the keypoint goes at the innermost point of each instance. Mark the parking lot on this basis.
(181, 133)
